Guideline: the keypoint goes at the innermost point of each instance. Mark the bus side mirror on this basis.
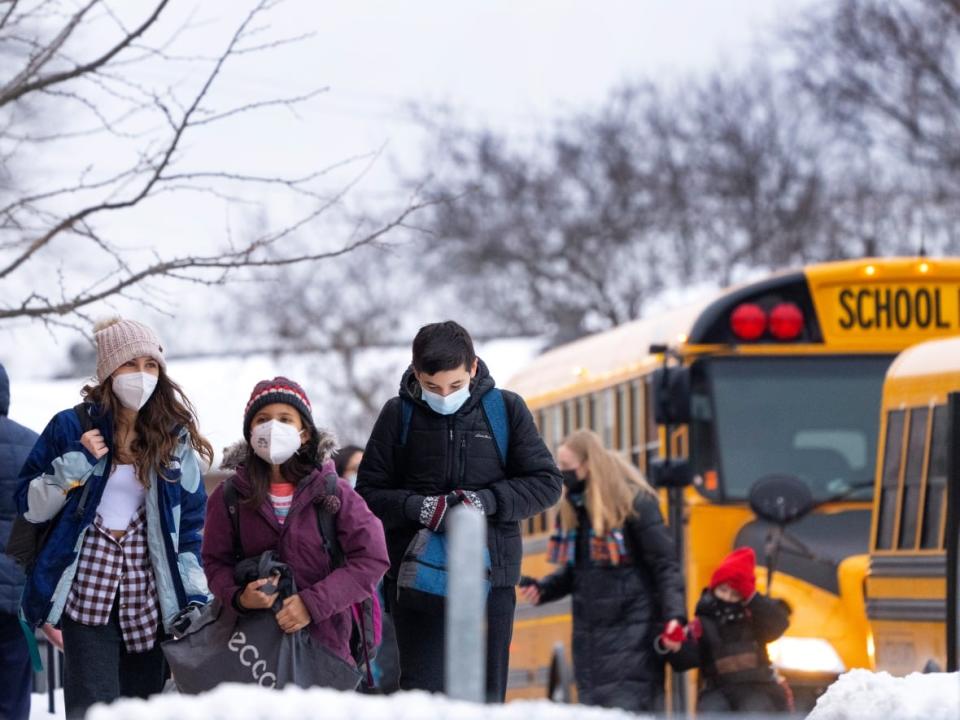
(671, 395)
(780, 499)
(670, 473)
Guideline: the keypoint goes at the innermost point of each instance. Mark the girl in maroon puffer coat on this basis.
(279, 476)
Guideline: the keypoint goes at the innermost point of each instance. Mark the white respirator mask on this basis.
(134, 389)
(275, 442)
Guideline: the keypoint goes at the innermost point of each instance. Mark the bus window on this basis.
(810, 417)
(652, 444)
(916, 447)
(637, 433)
(538, 421)
(568, 416)
(624, 434)
(605, 416)
(936, 483)
(583, 413)
(596, 417)
(890, 479)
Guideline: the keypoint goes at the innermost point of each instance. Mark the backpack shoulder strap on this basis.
(328, 524)
(82, 411)
(83, 415)
(232, 501)
(406, 414)
(495, 411)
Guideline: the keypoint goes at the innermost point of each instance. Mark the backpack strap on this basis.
(406, 414)
(495, 411)
(232, 501)
(328, 524)
(82, 411)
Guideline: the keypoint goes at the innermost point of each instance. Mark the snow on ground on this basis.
(246, 702)
(864, 695)
(39, 706)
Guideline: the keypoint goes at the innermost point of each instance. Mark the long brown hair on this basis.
(294, 470)
(611, 488)
(156, 424)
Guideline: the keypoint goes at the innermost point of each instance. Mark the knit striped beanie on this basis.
(278, 390)
(119, 340)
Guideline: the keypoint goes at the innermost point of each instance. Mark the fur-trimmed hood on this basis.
(236, 455)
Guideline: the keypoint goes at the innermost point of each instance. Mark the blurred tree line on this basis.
(842, 140)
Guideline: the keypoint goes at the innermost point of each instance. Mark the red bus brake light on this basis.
(748, 321)
(786, 321)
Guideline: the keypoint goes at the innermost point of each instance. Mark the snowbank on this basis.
(246, 702)
(863, 694)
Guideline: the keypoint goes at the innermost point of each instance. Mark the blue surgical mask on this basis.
(446, 404)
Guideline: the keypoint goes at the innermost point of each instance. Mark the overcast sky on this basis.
(512, 64)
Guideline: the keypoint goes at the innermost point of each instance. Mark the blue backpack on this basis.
(494, 411)
(422, 576)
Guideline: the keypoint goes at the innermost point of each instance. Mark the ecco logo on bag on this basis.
(249, 657)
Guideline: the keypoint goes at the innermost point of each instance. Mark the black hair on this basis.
(342, 458)
(442, 346)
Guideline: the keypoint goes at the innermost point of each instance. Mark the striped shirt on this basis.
(281, 497)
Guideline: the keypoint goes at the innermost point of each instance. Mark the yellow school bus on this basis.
(782, 376)
(907, 588)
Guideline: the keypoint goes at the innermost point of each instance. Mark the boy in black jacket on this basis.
(728, 641)
(432, 447)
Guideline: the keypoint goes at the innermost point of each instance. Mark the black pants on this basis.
(14, 669)
(759, 697)
(421, 638)
(98, 668)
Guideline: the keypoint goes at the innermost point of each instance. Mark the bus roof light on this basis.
(786, 321)
(748, 321)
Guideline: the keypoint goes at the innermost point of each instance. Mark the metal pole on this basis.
(466, 642)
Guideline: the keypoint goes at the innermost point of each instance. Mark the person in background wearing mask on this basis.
(450, 456)
(347, 461)
(279, 470)
(618, 562)
(728, 639)
(15, 444)
(129, 494)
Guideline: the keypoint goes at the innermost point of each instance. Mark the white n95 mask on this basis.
(134, 389)
(275, 442)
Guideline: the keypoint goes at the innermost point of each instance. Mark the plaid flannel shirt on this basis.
(108, 565)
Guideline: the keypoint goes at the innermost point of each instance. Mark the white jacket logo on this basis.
(249, 657)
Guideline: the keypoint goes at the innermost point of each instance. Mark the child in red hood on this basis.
(728, 641)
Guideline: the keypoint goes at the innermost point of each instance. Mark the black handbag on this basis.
(215, 644)
(28, 538)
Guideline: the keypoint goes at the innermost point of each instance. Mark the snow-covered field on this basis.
(864, 695)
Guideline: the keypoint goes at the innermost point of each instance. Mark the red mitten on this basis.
(694, 629)
(674, 635)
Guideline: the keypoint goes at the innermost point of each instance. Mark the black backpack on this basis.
(28, 538)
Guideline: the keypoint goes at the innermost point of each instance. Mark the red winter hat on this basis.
(278, 390)
(736, 570)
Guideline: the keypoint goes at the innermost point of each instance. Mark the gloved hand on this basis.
(671, 638)
(433, 510)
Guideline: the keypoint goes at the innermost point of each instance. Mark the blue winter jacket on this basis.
(52, 481)
(15, 444)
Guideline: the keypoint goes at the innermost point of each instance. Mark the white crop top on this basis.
(122, 498)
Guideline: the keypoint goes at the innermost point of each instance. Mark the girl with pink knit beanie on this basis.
(117, 480)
